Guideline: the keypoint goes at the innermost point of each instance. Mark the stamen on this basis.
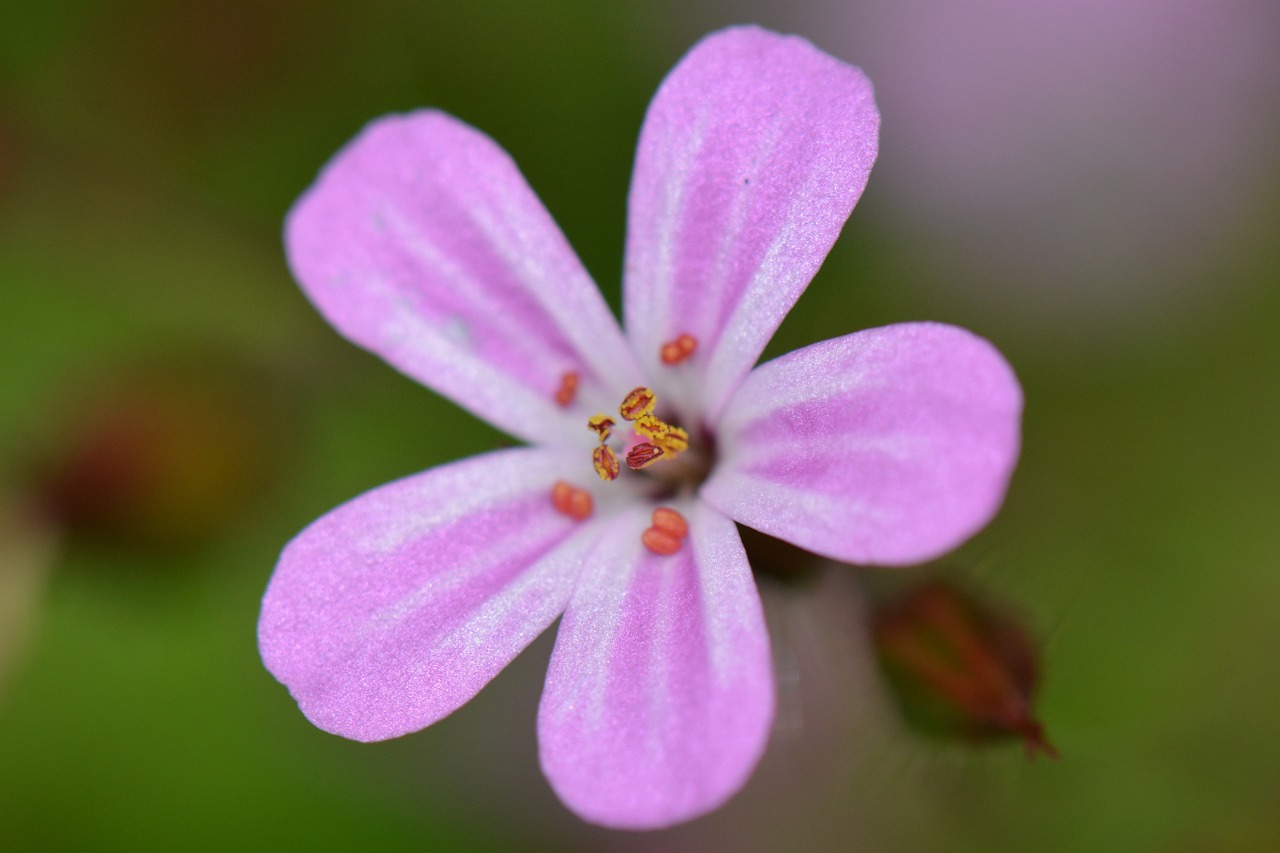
(661, 542)
(606, 463)
(666, 518)
(600, 425)
(571, 501)
(674, 352)
(663, 439)
(642, 455)
(638, 403)
(668, 531)
(670, 438)
(568, 389)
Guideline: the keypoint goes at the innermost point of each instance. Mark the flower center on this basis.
(652, 439)
(647, 444)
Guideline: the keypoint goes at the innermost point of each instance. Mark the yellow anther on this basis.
(662, 440)
(601, 425)
(605, 462)
(638, 403)
(670, 438)
(676, 440)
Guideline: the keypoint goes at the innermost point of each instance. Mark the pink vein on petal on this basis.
(887, 446)
(394, 609)
(660, 692)
(421, 242)
(752, 155)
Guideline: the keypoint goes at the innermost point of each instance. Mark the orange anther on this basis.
(638, 403)
(674, 352)
(571, 501)
(600, 425)
(643, 455)
(660, 541)
(568, 389)
(580, 505)
(606, 463)
(666, 518)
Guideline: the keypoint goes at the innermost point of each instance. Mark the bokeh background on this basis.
(1094, 186)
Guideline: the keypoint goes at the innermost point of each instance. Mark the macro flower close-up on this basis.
(647, 441)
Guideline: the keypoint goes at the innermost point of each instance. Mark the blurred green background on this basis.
(172, 411)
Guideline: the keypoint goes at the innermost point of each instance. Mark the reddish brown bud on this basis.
(157, 455)
(961, 668)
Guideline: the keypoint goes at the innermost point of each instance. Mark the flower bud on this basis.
(960, 668)
(158, 455)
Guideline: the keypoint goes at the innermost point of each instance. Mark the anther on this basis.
(642, 455)
(568, 389)
(666, 518)
(672, 439)
(606, 463)
(600, 425)
(667, 532)
(637, 404)
(571, 501)
(661, 542)
(674, 352)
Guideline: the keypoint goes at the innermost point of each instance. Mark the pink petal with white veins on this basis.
(659, 697)
(753, 153)
(421, 242)
(888, 446)
(394, 609)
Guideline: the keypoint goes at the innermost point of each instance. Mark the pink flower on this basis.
(422, 243)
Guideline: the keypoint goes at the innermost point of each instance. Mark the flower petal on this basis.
(753, 153)
(659, 697)
(393, 610)
(422, 242)
(888, 446)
